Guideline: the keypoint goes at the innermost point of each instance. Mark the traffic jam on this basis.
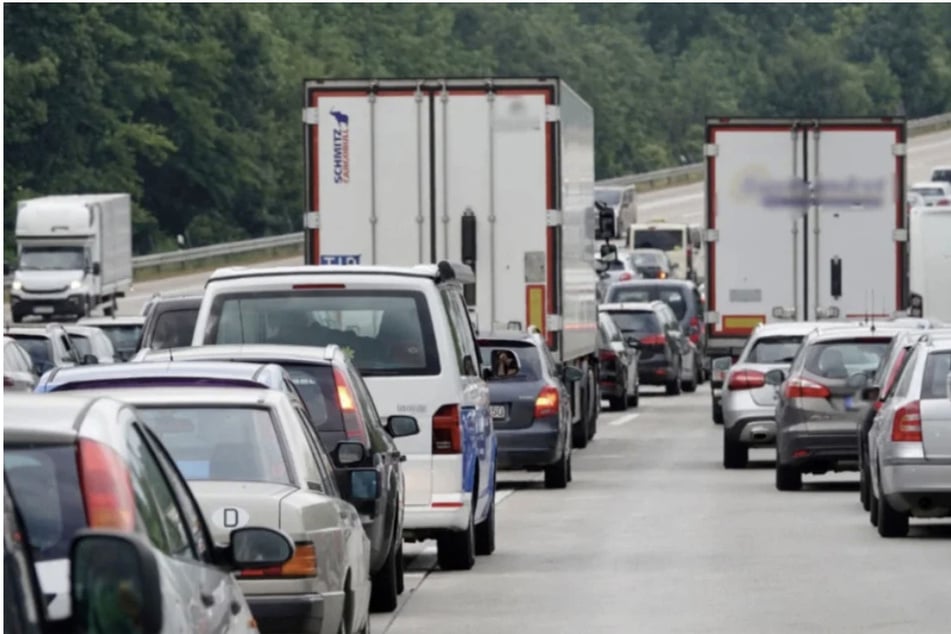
(279, 451)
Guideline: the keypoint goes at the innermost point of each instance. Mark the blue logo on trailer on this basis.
(341, 147)
(340, 259)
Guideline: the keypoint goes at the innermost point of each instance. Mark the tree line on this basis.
(195, 108)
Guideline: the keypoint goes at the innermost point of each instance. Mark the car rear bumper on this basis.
(537, 446)
(446, 512)
(655, 371)
(611, 385)
(918, 486)
(288, 613)
(808, 445)
(755, 429)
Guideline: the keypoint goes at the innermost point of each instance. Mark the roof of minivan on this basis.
(664, 282)
(118, 320)
(839, 332)
(170, 369)
(238, 397)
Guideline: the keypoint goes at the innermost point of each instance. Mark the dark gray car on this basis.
(530, 407)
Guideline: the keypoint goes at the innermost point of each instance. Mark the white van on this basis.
(681, 242)
(408, 331)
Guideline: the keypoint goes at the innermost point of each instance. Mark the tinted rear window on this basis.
(674, 296)
(775, 349)
(636, 322)
(238, 444)
(45, 485)
(935, 381)
(663, 239)
(529, 361)
(126, 338)
(384, 332)
(38, 348)
(173, 329)
(941, 175)
(841, 359)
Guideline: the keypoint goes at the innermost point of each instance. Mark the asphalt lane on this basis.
(653, 535)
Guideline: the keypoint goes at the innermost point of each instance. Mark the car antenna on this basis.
(170, 357)
(873, 313)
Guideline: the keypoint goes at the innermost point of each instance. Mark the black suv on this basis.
(664, 349)
(169, 321)
(340, 409)
(684, 299)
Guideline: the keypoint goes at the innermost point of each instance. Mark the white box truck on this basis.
(930, 262)
(74, 254)
(497, 173)
(805, 219)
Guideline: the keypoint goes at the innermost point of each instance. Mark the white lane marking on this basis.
(501, 496)
(624, 420)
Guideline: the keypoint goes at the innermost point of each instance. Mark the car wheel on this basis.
(788, 478)
(455, 550)
(592, 424)
(400, 581)
(556, 475)
(691, 385)
(485, 532)
(891, 523)
(736, 455)
(674, 387)
(619, 403)
(346, 617)
(717, 412)
(385, 588)
(570, 476)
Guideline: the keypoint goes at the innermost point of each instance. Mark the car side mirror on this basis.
(775, 377)
(487, 373)
(400, 426)
(109, 569)
(255, 547)
(364, 485)
(90, 359)
(871, 393)
(348, 453)
(571, 374)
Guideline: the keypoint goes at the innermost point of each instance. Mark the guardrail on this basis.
(657, 179)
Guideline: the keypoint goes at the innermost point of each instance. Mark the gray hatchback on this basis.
(531, 409)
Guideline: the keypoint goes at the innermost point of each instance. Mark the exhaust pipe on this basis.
(758, 434)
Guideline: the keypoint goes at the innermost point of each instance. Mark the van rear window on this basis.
(663, 239)
(385, 333)
(673, 296)
(636, 322)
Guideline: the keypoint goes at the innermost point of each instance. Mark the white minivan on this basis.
(407, 329)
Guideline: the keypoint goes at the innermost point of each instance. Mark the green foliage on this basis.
(195, 108)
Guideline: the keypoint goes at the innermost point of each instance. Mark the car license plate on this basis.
(498, 412)
(43, 310)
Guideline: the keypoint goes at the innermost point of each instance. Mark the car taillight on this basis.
(654, 340)
(7, 381)
(625, 276)
(447, 435)
(906, 426)
(804, 388)
(695, 329)
(106, 487)
(877, 405)
(348, 408)
(746, 380)
(944, 202)
(546, 403)
(302, 564)
(607, 355)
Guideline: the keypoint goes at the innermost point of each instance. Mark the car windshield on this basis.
(639, 322)
(125, 338)
(235, 444)
(841, 359)
(45, 484)
(38, 348)
(173, 329)
(673, 296)
(52, 258)
(934, 384)
(663, 239)
(780, 349)
(529, 361)
(608, 196)
(383, 332)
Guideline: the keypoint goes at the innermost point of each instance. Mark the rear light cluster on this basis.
(302, 564)
(654, 340)
(625, 276)
(547, 402)
(798, 387)
(906, 426)
(694, 331)
(608, 358)
(746, 380)
(7, 381)
(944, 202)
(447, 430)
(352, 423)
(106, 487)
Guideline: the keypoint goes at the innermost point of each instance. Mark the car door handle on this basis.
(207, 600)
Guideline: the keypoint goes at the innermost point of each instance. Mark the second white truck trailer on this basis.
(498, 173)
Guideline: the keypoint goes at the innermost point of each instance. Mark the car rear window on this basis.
(630, 321)
(173, 329)
(38, 348)
(319, 390)
(385, 333)
(841, 359)
(663, 239)
(935, 381)
(82, 343)
(235, 444)
(928, 191)
(126, 338)
(45, 484)
(529, 361)
(941, 175)
(647, 259)
(779, 349)
(673, 296)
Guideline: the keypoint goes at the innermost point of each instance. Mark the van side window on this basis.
(469, 345)
(461, 333)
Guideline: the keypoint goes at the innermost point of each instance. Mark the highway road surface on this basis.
(653, 536)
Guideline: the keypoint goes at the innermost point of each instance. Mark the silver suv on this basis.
(910, 443)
